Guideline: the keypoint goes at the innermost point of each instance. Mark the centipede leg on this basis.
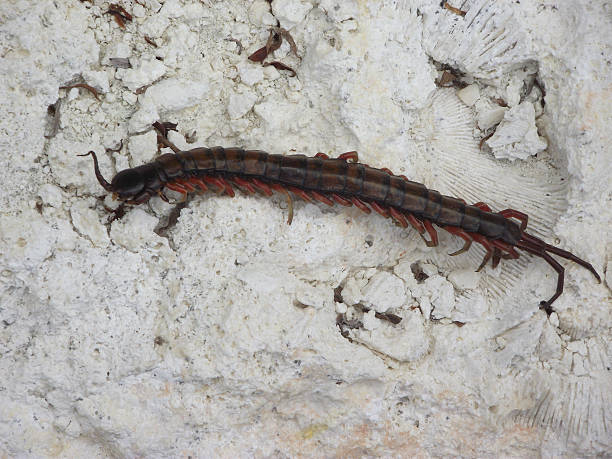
(118, 213)
(416, 223)
(352, 156)
(399, 217)
(432, 234)
(420, 227)
(176, 187)
(520, 216)
(243, 183)
(463, 235)
(185, 184)
(381, 210)
(301, 193)
(360, 205)
(496, 257)
(227, 187)
(340, 200)
(261, 186)
(321, 198)
(540, 251)
(214, 181)
(200, 183)
(541, 245)
(546, 305)
(486, 244)
(322, 155)
(388, 171)
(222, 185)
(510, 253)
(482, 206)
(283, 190)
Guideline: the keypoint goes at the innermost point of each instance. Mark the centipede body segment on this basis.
(343, 181)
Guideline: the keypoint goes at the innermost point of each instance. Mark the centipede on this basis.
(342, 180)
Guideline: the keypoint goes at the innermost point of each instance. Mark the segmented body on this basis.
(339, 181)
(330, 177)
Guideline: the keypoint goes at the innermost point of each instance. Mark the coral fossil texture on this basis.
(211, 328)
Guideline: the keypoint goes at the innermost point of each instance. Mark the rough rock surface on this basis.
(212, 328)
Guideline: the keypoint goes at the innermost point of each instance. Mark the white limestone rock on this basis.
(142, 74)
(240, 104)
(469, 95)
(194, 340)
(517, 137)
(290, 12)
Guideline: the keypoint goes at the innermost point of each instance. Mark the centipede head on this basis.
(127, 185)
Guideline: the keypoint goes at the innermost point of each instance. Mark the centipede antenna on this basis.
(101, 180)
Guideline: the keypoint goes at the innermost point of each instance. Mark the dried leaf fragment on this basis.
(280, 66)
(454, 10)
(274, 41)
(119, 13)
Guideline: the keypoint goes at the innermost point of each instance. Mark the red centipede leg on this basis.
(482, 206)
(340, 200)
(278, 187)
(185, 184)
(399, 217)
(214, 181)
(352, 156)
(496, 257)
(538, 248)
(176, 187)
(432, 234)
(361, 205)
(263, 187)
(463, 235)
(381, 210)
(223, 186)
(520, 216)
(243, 183)
(321, 198)
(388, 171)
(509, 252)
(546, 305)
(161, 194)
(200, 183)
(485, 243)
(416, 223)
(301, 193)
(321, 155)
(228, 188)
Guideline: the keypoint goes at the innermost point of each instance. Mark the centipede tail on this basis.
(540, 249)
(343, 181)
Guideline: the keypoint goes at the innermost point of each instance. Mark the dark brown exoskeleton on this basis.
(345, 181)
